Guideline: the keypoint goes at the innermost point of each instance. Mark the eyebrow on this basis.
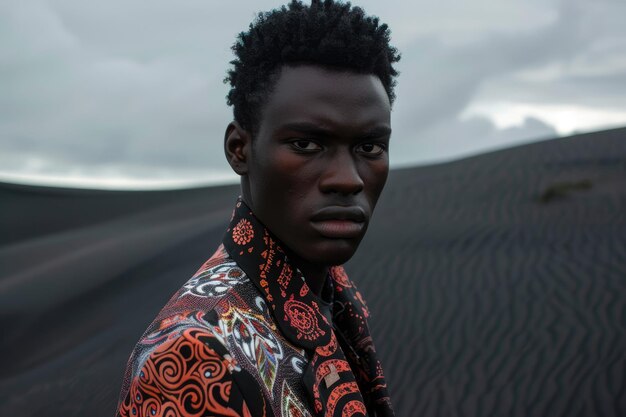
(315, 129)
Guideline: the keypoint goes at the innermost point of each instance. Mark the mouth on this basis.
(339, 222)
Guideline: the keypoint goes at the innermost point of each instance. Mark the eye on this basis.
(371, 149)
(305, 145)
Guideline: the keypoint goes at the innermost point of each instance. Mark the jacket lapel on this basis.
(307, 322)
(350, 319)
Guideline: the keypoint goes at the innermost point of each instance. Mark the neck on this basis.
(315, 279)
(314, 274)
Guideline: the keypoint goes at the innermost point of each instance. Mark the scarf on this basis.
(343, 376)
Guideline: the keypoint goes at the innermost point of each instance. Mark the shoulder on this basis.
(216, 277)
(195, 310)
(187, 372)
(182, 365)
(217, 280)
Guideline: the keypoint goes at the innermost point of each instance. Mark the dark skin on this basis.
(315, 169)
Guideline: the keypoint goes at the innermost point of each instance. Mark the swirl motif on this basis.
(184, 364)
(183, 376)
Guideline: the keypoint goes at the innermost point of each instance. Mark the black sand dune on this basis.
(497, 283)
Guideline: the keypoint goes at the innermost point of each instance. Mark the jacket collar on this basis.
(307, 321)
(302, 317)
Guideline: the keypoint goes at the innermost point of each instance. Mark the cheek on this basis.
(375, 177)
(292, 169)
(285, 176)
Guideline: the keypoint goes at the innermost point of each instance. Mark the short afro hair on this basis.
(327, 33)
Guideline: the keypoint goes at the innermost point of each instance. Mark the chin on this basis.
(334, 252)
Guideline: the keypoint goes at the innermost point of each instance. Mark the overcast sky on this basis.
(129, 93)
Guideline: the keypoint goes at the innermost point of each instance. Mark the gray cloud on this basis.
(438, 139)
(95, 88)
(441, 81)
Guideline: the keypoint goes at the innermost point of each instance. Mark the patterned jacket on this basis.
(246, 337)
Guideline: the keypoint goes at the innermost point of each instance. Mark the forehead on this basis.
(326, 96)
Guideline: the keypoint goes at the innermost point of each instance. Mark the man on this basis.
(270, 325)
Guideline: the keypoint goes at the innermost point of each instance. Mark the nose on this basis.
(341, 175)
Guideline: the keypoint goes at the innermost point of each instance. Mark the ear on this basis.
(237, 147)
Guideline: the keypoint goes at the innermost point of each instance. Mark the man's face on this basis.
(320, 161)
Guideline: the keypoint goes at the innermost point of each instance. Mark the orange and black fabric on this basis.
(245, 336)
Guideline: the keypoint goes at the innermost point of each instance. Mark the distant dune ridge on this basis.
(497, 283)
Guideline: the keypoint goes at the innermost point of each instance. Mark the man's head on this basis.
(312, 88)
(326, 33)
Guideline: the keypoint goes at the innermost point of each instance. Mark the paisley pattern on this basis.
(215, 282)
(302, 318)
(291, 405)
(246, 337)
(256, 340)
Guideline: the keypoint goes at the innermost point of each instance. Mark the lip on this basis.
(352, 213)
(339, 222)
(338, 229)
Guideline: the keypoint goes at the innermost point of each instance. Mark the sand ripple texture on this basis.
(497, 283)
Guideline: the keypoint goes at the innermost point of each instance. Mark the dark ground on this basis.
(497, 283)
